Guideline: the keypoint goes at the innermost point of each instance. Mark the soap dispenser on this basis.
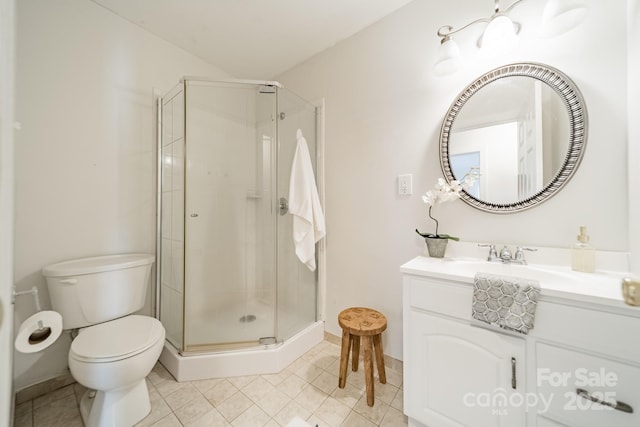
(583, 255)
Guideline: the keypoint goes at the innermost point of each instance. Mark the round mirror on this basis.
(521, 129)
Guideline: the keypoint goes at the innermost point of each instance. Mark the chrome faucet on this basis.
(493, 255)
(519, 256)
(505, 255)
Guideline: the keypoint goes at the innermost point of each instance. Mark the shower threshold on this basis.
(268, 341)
(237, 346)
(256, 360)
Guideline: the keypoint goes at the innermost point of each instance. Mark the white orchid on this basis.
(443, 192)
(447, 192)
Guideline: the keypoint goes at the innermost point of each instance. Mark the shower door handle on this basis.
(284, 205)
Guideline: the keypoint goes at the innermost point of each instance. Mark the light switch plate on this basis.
(405, 184)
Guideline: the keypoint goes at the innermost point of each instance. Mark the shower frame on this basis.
(183, 347)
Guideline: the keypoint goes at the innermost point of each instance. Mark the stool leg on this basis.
(377, 345)
(344, 358)
(368, 368)
(355, 352)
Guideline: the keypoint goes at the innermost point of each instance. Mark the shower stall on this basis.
(228, 276)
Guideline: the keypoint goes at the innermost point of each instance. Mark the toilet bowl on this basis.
(113, 358)
(114, 349)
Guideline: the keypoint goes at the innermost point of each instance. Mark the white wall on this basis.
(633, 46)
(384, 108)
(85, 159)
(7, 78)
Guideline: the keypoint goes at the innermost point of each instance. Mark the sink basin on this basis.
(535, 272)
(553, 280)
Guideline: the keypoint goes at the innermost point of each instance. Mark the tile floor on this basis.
(308, 388)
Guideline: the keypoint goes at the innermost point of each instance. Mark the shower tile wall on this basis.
(172, 273)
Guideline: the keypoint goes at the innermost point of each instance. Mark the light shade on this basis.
(560, 16)
(448, 59)
(499, 36)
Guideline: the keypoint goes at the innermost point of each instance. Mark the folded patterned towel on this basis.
(507, 302)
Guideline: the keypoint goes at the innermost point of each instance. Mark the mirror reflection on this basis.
(515, 133)
(521, 129)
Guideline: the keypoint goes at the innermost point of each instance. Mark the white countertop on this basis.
(602, 287)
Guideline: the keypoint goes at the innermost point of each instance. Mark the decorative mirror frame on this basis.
(578, 120)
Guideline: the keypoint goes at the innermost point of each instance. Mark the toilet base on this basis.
(122, 407)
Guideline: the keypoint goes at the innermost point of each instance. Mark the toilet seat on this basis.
(117, 339)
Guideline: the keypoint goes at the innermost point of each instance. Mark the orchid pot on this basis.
(443, 192)
(437, 243)
(436, 246)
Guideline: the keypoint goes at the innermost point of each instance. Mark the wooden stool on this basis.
(362, 322)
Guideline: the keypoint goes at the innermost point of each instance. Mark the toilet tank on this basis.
(93, 290)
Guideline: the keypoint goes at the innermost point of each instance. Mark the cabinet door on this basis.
(582, 390)
(461, 375)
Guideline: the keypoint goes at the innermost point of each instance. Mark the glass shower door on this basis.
(230, 220)
(297, 285)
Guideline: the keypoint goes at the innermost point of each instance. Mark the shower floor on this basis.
(229, 324)
(239, 323)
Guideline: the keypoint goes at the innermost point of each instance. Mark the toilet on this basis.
(114, 349)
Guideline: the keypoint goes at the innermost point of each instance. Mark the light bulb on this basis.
(448, 60)
(499, 36)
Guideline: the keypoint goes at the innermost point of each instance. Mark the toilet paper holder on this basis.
(42, 332)
(33, 291)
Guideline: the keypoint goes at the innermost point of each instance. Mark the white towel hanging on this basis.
(304, 205)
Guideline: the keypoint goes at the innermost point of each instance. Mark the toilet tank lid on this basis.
(97, 264)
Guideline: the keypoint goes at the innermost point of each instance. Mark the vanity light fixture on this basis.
(501, 33)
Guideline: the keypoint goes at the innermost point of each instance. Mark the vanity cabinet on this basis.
(578, 367)
(587, 363)
(454, 370)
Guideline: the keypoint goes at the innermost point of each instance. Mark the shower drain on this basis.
(247, 318)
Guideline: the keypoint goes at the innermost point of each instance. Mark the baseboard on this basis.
(47, 386)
